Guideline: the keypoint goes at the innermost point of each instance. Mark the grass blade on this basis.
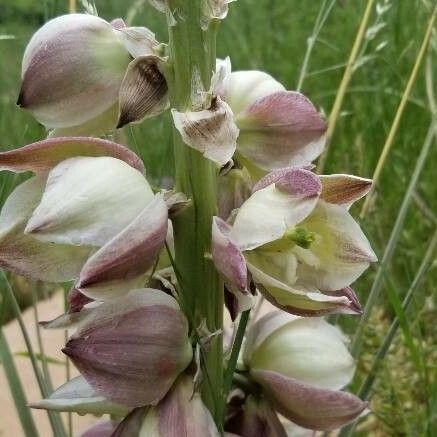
(335, 112)
(394, 237)
(366, 388)
(399, 112)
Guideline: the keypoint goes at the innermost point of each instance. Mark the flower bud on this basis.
(301, 365)
(132, 349)
(79, 77)
(72, 70)
(102, 429)
(278, 128)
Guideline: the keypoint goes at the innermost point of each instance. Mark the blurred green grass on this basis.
(272, 35)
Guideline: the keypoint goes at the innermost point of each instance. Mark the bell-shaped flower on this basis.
(302, 364)
(92, 217)
(302, 252)
(79, 75)
(131, 349)
(278, 128)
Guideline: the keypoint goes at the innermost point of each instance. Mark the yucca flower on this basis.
(88, 215)
(301, 365)
(297, 239)
(82, 75)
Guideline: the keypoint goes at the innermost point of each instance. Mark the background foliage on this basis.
(272, 35)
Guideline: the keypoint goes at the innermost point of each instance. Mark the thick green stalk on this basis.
(191, 64)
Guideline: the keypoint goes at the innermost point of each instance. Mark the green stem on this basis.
(191, 63)
(233, 359)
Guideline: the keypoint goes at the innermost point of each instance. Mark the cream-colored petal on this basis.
(87, 201)
(342, 250)
(270, 211)
(25, 255)
(307, 349)
(245, 87)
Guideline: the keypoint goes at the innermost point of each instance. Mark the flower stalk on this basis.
(191, 65)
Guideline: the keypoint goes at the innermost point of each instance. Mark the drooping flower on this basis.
(302, 364)
(82, 75)
(301, 250)
(278, 128)
(89, 213)
(132, 349)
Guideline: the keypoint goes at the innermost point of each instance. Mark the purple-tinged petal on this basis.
(230, 262)
(79, 397)
(118, 23)
(292, 180)
(77, 300)
(273, 209)
(308, 406)
(42, 156)
(23, 254)
(72, 70)
(212, 131)
(344, 189)
(180, 413)
(280, 130)
(102, 429)
(131, 425)
(258, 419)
(128, 255)
(143, 92)
(131, 350)
(354, 305)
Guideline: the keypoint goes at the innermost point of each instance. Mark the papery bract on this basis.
(132, 349)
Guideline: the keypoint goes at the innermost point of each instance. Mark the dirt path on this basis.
(53, 341)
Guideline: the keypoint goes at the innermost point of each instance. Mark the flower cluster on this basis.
(89, 215)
